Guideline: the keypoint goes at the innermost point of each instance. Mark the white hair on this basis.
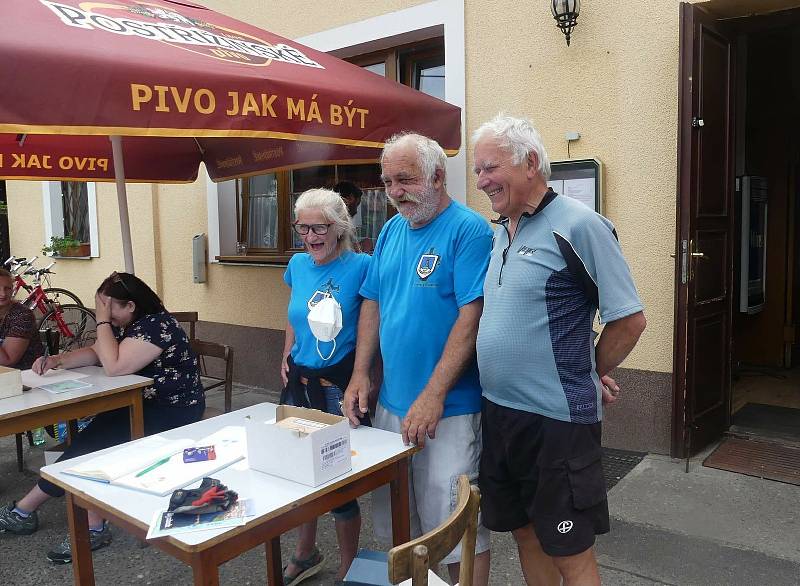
(333, 209)
(518, 136)
(430, 156)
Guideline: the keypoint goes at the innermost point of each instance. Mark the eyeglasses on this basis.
(117, 278)
(318, 229)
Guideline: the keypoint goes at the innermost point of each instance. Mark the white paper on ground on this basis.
(33, 380)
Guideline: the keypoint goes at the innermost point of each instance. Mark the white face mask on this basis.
(325, 321)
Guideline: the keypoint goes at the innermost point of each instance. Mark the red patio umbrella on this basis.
(175, 84)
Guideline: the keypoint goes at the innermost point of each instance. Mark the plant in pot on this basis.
(66, 246)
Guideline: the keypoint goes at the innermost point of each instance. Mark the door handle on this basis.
(698, 255)
(683, 267)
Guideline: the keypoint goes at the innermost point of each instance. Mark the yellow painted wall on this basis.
(616, 85)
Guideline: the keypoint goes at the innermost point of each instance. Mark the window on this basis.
(70, 210)
(264, 203)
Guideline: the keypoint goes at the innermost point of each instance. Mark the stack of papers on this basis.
(155, 464)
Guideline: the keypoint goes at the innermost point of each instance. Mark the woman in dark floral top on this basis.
(19, 337)
(135, 335)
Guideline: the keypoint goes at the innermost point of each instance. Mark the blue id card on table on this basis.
(201, 454)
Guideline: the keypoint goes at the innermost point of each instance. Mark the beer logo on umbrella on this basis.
(155, 22)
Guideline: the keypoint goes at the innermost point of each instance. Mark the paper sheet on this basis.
(64, 386)
(33, 380)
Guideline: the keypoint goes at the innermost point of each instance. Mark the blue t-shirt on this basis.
(420, 277)
(175, 372)
(543, 290)
(341, 278)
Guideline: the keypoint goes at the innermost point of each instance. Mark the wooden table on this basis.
(280, 505)
(37, 407)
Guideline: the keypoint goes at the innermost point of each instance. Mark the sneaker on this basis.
(62, 554)
(16, 523)
(308, 567)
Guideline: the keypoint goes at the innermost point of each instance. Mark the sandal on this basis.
(308, 567)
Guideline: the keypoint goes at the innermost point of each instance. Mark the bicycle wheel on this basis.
(76, 324)
(62, 296)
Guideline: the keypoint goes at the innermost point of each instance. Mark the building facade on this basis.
(618, 85)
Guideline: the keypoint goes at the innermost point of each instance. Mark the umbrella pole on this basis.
(122, 200)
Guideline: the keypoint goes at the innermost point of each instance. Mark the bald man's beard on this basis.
(427, 202)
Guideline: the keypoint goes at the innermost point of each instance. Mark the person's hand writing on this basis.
(102, 307)
(43, 364)
(610, 390)
(422, 418)
(356, 398)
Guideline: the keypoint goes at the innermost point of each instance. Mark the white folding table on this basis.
(379, 458)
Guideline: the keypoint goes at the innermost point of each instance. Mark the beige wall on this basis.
(616, 85)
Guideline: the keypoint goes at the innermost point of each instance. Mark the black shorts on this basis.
(546, 472)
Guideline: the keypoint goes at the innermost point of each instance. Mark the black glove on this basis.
(210, 497)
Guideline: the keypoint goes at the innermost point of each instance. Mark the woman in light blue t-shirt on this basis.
(320, 343)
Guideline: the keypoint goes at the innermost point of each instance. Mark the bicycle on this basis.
(76, 325)
(52, 295)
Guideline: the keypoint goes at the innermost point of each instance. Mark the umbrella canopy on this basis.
(183, 84)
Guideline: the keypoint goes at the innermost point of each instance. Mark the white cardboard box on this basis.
(310, 458)
(10, 382)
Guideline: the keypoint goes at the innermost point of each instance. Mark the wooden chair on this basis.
(414, 559)
(205, 350)
(223, 352)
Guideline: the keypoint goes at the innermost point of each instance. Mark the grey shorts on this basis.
(433, 478)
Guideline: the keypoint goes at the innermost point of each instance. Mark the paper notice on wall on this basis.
(582, 190)
(333, 452)
(556, 185)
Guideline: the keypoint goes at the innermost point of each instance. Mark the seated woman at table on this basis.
(135, 335)
(317, 358)
(19, 337)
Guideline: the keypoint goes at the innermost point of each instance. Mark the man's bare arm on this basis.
(617, 340)
(424, 414)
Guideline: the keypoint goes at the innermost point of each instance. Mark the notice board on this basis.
(580, 179)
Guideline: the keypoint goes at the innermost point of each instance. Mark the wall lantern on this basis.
(566, 14)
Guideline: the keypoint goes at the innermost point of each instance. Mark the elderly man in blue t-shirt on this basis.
(555, 263)
(423, 296)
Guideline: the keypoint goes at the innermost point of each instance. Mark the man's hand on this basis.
(356, 398)
(285, 370)
(610, 390)
(422, 418)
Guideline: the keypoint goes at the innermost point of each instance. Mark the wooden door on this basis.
(703, 261)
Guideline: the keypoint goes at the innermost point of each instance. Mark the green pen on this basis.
(152, 467)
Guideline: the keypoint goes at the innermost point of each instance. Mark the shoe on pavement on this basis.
(62, 554)
(15, 523)
(308, 567)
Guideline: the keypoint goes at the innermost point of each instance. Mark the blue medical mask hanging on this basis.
(325, 321)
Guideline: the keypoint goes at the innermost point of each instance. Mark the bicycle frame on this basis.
(19, 283)
(38, 300)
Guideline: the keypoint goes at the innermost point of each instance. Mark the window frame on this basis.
(54, 214)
